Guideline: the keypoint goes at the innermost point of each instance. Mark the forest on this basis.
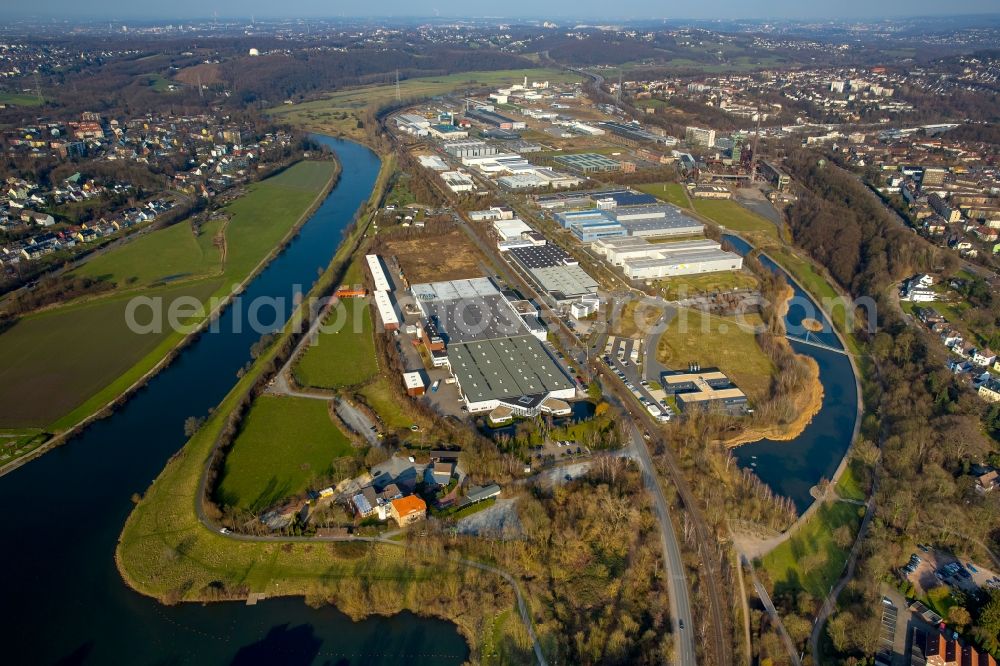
(929, 427)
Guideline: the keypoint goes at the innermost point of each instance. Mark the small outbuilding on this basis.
(414, 384)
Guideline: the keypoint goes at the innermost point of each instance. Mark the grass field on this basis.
(158, 83)
(849, 485)
(684, 286)
(342, 357)
(635, 322)
(720, 342)
(59, 366)
(811, 560)
(670, 192)
(262, 218)
(52, 362)
(164, 255)
(341, 111)
(18, 99)
(378, 394)
(286, 443)
(735, 217)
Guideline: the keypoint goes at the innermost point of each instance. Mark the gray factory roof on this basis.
(505, 368)
(466, 310)
(565, 282)
(650, 226)
(658, 211)
(684, 257)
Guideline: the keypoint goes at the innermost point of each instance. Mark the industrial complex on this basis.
(494, 352)
(641, 260)
(704, 389)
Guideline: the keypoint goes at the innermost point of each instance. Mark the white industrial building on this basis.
(433, 162)
(507, 230)
(492, 213)
(458, 181)
(386, 310)
(380, 280)
(470, 148)
(414, 124)
(641, 260)
(538, 177)
(584, 307)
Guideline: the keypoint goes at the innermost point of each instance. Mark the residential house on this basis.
(407, 510)
(990, 390)
(442, 472)
(984, 357)
(41, 219)
(365, 502)
(988, 481)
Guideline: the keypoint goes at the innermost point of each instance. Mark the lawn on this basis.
(59, 366)
(343, 355)
(735, 217)
(379, 395)
(340, 112)
(160, 256)
(685, 286)
(849, 485)
(635, 321)
(52, 362)
(18, 99)
(722, 342)
(286, 444)
(670, 192)
(811, 560)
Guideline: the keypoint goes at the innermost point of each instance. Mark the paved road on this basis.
(673, 563)
(707, 545)
(677, 585)
(357, 421)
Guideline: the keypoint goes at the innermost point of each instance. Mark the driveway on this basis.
(357, 421)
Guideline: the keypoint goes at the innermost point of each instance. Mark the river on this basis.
(792, 467)
(63, 600)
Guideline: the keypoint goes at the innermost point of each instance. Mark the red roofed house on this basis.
(409, 509)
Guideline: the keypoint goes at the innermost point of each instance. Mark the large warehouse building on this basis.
(657, 221)
(587, 163)
(704, 389)
(515, 373)
(642, 260)
(554, 271)
(500, 366)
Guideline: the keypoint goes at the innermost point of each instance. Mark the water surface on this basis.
(63, 600)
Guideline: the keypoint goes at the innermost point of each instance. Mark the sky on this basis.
(554, 9)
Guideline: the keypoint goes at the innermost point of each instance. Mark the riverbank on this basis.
(170, 551)
(805, 403)
(163, 354)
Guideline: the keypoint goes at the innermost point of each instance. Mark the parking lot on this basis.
(621, 355)
(929, 567)
(887, 632)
